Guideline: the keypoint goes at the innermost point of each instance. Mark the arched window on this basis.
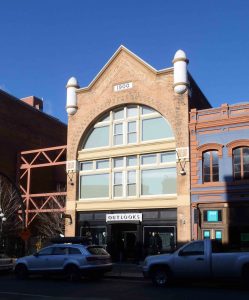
(210, 166)
(241, 163)
(127, 125)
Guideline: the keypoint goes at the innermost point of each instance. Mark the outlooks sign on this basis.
(125, 217)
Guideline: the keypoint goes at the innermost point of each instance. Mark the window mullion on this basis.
(211, 166)
(242, 163)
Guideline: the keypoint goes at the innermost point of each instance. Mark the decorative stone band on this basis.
(180, 59)
(72, 106)
(72, 85)
(181, 83)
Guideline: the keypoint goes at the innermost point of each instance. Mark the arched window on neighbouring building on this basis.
(241, 163)
(210, 166)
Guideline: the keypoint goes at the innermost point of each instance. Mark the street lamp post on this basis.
(2, 219)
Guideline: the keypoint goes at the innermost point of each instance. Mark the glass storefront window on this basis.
(131, 161)
(159, 238)
(158, 181)
(118, 162)
(130, 176)
(131, 183)
(156, 128)
(132, 111)
(94, 186)
(118, 184)
(86, 166)
(218, 234)
(102, 164)
(118, 114)
(98, 138)
(97, 234)
(168, 157)
(148, 159)
(206, 234)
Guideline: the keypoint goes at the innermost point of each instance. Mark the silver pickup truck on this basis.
(196, 259)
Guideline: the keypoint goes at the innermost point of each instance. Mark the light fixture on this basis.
(67, 216)
(181, 156)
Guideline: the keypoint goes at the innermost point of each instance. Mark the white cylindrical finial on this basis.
(71, 86)
(180, 62)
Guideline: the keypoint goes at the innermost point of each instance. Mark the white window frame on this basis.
(138, 168)
(124, 121)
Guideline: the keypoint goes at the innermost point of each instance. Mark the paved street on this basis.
(111, 288)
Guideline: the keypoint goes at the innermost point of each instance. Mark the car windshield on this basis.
(95, 250)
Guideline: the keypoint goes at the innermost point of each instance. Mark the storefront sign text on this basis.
(127, 217)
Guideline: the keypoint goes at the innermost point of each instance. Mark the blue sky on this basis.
(45, 42)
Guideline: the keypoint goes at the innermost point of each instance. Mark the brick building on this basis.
(26, 176)
(219, 142)
(24, 126)
(128, 154)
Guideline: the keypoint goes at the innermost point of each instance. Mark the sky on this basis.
(45, 42)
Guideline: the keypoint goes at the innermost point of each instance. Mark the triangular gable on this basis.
(120, 49)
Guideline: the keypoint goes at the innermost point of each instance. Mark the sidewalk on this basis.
(126, 270)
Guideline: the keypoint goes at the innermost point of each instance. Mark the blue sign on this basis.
(212, 215)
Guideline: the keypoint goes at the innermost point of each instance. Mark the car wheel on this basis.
(21, 271)
(160, 277)
(72, 273)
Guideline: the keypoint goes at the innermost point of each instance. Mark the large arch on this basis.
(134, 123)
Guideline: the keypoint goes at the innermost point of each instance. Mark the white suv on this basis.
(72, 260)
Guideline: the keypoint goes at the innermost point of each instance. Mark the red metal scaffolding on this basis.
(37, 203)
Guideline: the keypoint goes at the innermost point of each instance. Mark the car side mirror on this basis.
(36, 254)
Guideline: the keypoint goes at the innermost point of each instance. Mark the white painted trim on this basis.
(121, 47)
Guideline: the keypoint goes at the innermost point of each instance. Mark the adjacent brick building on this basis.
(24, 126)
(219, 141)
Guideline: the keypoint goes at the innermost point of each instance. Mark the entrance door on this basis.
(130, 239)
(123, 241)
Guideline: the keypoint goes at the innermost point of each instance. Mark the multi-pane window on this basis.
(130, 176)
(128, 125)
(210, 163)
(241, 163)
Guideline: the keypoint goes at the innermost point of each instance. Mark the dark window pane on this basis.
(246, 175)
(207, 178)
(236, 152)
(237, 168)
(237, 176)
(236, 159)
(215, 157)
(246, 159)
(206, 171)
(246, 167)
(215, 177)
(245, 151)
